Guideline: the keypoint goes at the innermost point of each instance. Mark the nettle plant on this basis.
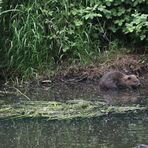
(131, 18)
(102, 21)
(121, 16)
(138, 26)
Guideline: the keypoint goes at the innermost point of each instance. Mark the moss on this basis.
(68, 110)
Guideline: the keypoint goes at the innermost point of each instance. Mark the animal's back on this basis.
(110, 80)
(117, 80)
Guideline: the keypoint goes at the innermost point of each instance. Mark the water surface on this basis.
(115, 132)
(111, 132)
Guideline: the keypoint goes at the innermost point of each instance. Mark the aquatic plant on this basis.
(70, 110)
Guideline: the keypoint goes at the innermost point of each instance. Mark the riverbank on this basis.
(52, 96)
(77, 72)
(126, 63)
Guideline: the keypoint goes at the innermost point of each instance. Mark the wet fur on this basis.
(115, 80)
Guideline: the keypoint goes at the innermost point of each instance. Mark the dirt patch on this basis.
(135, 64)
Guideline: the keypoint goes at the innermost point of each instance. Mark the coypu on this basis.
(115, 80)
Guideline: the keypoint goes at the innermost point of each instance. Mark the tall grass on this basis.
(41, 33)
(0, 5)
(36, 34)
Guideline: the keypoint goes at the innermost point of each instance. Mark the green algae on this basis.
(69, 110)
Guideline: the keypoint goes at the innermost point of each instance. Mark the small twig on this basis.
(21, 93)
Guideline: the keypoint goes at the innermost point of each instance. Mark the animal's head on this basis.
(131, 81)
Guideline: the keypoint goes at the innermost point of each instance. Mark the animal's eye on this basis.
(129, 78)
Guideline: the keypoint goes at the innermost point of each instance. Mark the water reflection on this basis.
(94, 133)
(121, 132)
(80, 91)
(122, 97)
(90, 92)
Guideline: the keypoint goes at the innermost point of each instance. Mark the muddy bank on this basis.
(78, 72)
(135, 64)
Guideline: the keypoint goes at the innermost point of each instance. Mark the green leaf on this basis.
(142, 37)
(78, 23)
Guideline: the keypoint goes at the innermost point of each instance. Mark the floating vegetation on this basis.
(68, 110)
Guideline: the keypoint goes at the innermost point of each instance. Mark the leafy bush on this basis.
(37, 33)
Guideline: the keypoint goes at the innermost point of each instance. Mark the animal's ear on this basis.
(129, 78)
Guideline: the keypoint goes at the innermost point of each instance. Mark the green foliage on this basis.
(138, 26)
(35, 34)
(0, 5)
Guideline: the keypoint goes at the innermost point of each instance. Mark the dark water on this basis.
(115, 132)
(90, 92)
(121, 132)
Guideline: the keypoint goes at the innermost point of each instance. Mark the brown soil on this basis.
(135, 64)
